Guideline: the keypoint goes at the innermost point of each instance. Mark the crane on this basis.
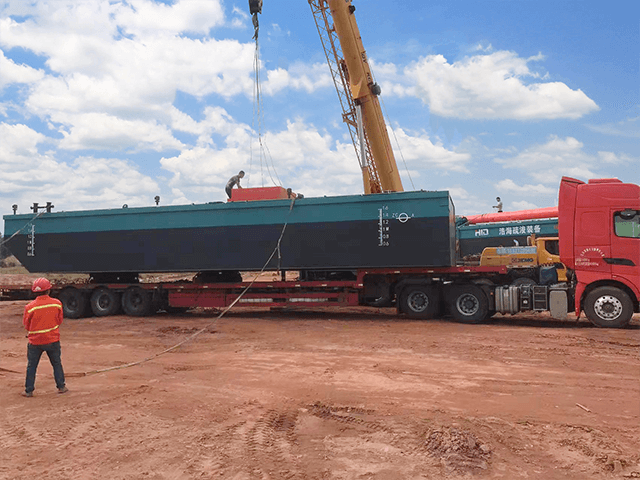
(358, 94)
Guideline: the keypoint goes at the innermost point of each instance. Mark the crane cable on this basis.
(397, 144)
(2, 242)
(203, 329)
(258, 109)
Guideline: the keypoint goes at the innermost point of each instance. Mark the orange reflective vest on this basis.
(42, 319)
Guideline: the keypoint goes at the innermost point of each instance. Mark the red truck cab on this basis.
(599, 230)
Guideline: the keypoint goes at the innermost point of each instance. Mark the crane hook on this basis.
(255, 7)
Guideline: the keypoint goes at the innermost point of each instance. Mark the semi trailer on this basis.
(599, 243)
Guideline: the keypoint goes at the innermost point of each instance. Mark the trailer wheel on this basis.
(104, 302)
(74, 302)
(468, 304)
(608, 307)
(136, 302)
(419, 301)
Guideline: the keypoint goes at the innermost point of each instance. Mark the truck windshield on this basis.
(627, 223)
(552, 246)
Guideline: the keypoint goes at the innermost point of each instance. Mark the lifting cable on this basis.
(195, 334)
(2, 242)
(398, 144)
(255, 8)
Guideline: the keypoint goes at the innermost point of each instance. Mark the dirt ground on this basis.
(324, 394)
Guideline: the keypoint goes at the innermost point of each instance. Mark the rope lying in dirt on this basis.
(203, 329)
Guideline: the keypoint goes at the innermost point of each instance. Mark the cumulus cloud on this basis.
(298, 77)
(87, 182)
(11, 72)
(147, 18)
(115, 68)
(105, 132)
(305, 158)
(422, 154)
(493, 86)
(541, 163)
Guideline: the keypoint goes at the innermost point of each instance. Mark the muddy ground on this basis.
(324, 394)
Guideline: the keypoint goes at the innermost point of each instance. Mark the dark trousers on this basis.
(228, 190)
(34, 352)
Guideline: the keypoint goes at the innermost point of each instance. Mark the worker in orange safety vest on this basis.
(42, 319)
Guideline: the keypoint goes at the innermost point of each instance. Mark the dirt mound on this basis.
(458, 450)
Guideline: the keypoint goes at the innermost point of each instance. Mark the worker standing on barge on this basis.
(42, 319)
(233, 181)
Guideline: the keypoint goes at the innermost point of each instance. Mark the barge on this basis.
(405, 229)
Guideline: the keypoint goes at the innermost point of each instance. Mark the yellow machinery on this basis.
(358, 94)
(540, 252)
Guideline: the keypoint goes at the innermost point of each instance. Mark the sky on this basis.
(107, 102)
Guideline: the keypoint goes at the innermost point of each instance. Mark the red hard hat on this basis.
(41, 285)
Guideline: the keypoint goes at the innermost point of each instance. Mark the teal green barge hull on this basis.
(409, 229)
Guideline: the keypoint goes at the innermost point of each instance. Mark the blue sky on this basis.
(107, 102)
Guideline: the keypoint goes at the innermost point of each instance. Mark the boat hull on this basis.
(331, 233)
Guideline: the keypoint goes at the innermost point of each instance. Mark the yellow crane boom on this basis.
(358, 93)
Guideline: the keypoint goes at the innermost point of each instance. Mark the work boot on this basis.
(63, 390)
(27, 394)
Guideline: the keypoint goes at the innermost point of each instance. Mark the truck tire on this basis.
(104, 302)
(468, 304)
(136, 302)
(74, 302)
(419, 301)
(608, 307)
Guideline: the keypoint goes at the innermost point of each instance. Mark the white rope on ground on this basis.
(194, 335)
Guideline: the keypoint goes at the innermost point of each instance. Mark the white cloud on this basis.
(482, 48)
(298, 77)
(547, 163)
(458, 192)
(523, 205)
(30, 176)
(508, 185)
(10, 72)
(302, 156)
(116, 68)
(493, 86)
(19, 142)
(421, 153)
(147, 18)
(614, 159)
(105, 132)
(629, 128)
